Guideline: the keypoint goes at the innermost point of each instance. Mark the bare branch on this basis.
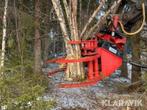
(68, 14)
(92, 16)
(59, 12)
(101, 22)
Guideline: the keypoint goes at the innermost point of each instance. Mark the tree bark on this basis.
(69, 50)
(18, 25)
(77, 69)
(74, 70)
(37, 45)
(68, 14)
(136, 71)
(46, 39)
(4, 36)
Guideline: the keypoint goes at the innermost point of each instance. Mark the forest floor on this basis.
(86, 98)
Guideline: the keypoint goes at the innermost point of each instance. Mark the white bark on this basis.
(88, 7)
(68, 14)
(59, 13)
(73, 51)
(4, 36)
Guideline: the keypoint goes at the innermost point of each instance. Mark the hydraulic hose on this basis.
(141, 27)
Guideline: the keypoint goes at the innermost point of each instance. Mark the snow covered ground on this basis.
(84, 97)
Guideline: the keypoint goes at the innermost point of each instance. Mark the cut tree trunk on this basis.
(37, 45)
(60, 16)
(76, 70)
(18, 26)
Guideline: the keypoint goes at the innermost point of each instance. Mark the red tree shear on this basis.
(102, 59)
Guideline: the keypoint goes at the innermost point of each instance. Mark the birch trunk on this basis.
(74, 70)
(4, 36)
(59, 13)
(46, 39)
(68, 14)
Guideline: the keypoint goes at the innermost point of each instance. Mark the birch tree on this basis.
(4, 36)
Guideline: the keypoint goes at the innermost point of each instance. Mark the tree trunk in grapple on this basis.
(74, 70)
(136, 71)
(67, 16)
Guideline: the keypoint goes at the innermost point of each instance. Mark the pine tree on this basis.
(37, 43)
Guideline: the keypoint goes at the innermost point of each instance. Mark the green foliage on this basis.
(10, 42)
(20, 88)
(23, 91)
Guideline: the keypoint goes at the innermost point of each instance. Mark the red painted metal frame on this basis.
(91, 53)
(109, 62)
(119, 42)
(81, 84)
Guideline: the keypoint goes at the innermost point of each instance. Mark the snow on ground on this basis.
(84, 97)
